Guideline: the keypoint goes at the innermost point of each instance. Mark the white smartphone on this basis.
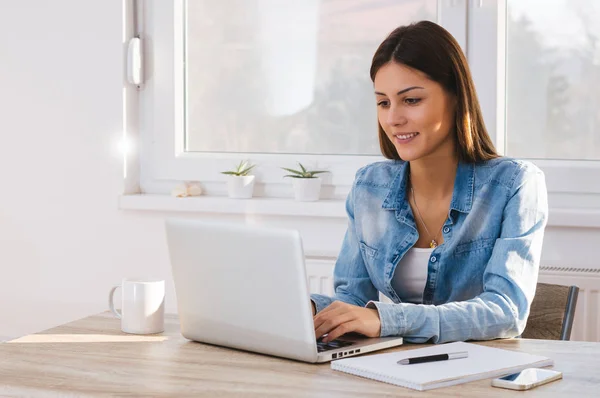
(527, 379)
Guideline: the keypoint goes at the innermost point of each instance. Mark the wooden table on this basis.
(92, 357)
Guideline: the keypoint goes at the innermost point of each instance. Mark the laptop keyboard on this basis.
(332, 345)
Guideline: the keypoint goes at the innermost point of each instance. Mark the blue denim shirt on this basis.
(480, 281)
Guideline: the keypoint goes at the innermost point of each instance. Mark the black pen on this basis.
(432, 358)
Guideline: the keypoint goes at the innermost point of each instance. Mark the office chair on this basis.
(552, 312)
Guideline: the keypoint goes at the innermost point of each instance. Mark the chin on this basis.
(407, 155)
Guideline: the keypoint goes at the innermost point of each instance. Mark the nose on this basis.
(395, 116)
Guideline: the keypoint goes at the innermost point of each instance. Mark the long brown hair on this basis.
(431, 49)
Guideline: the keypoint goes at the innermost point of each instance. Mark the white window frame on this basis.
(571, 183)
(164, 161)
(478, 25)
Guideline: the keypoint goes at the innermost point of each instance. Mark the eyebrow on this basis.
(402, 91)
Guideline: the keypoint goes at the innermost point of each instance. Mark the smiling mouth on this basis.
(404, 137)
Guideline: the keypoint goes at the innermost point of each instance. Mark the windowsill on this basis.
(225, 205)
(575, 218)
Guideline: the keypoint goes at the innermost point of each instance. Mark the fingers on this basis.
(336, 305)
(332, 317)
(330, 323)
(342, 329)
(328, 313)
(340, 318)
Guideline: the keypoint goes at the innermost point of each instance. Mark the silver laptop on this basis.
(243, 286)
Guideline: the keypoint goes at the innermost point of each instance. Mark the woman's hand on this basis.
(340, 318)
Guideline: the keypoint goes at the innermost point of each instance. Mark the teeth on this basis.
(406, 136)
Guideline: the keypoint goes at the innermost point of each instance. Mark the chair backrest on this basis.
(552, 312)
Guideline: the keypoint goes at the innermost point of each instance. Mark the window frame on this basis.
(575, 180)
(164, 161)
(479, 26)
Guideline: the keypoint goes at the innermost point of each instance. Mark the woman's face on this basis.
(416, 113)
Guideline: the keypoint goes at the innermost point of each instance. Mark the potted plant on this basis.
(307, 185)
(240, 185)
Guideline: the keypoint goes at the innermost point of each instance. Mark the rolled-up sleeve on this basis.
(509, 279)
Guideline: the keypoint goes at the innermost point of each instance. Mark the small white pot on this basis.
(307, 189)
(240, 187)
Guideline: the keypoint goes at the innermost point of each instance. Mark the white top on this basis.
(410, 276)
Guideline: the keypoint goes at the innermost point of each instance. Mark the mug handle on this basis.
(111, 303)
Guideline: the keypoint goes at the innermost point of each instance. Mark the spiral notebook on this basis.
(482, 362)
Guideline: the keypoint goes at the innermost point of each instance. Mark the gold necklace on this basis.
(433, 244)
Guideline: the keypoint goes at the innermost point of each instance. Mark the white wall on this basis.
(63, 241)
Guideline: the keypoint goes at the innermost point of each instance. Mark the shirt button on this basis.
(446, 230)
(433, 259)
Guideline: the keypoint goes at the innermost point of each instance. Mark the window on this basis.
(275, 81)
(281, 81)
(553, 113)
(536, 66)
(287, 77)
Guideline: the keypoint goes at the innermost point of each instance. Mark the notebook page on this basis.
(482, 362)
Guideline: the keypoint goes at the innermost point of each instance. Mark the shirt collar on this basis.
(462, 196)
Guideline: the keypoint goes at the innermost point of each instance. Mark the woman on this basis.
(448, 230)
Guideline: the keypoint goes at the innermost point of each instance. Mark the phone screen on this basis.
(529, 376)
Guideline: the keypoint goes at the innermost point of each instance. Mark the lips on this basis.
(403, 138)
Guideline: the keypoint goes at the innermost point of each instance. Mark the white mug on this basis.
(143, 305)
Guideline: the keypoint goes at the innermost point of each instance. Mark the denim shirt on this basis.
(480, 280)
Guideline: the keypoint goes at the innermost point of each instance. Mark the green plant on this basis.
(302, 173)
(242, 169)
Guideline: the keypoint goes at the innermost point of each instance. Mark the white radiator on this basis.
(586, 326)
(320, 276)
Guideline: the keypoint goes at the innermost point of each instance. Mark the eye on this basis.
(383, 104)
(412, 101)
